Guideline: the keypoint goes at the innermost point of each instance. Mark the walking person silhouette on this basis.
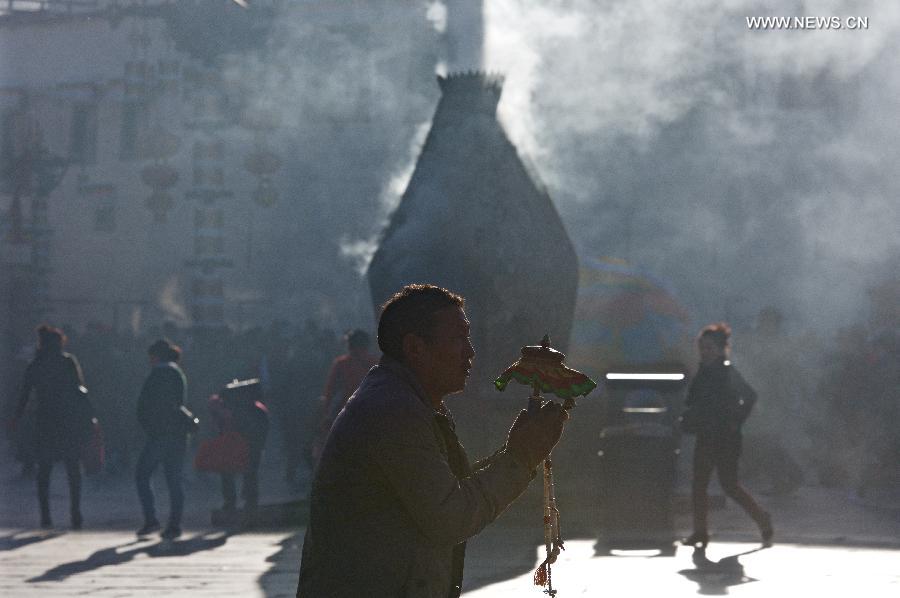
(159, 413)
(62, 416)
(719, 401)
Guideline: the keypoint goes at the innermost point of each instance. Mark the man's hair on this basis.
(49, 336)
(719, 333)
(411, 310)
(164, 350)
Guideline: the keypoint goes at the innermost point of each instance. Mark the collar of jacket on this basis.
(719, 364)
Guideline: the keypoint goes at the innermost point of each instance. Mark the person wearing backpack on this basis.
(719, 400)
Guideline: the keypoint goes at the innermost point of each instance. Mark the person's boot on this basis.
(766, 530)
(44, 504)
(697, 540)
(76, 520)
(171, 532)
(148, 528)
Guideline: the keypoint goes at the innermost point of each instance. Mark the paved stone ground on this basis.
(117, 564)
(114, 564)
(728, 569)
(827, 545)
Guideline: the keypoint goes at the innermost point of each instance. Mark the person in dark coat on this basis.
(395, 497)
(159, 414)
(719, 401)
(62, 418)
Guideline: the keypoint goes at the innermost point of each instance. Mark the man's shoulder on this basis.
(168, 371)
(383, 393)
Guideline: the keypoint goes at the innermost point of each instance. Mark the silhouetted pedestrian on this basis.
(347, 371)
(719, 401)
(239, 408)
(159, 412)
(62, 417)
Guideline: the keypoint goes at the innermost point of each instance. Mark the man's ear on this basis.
(413, 345)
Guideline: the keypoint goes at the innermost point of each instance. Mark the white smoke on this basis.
(761, 157)
(619, 69)
(171, 303)
(361, 251)
(436, 14)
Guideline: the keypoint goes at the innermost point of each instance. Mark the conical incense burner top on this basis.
(541, 367)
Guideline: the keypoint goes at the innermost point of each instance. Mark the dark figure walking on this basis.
(62, 418)
(239, 408)
(159, 414)
(718, 402)
(395, 497)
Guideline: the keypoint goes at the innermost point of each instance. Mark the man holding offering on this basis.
(394, 497)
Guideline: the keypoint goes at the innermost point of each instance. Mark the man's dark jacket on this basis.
(54, 377)
(160, 401)
(719, 401)
(386, 508)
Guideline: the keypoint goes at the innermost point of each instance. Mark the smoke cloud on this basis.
(751, 167)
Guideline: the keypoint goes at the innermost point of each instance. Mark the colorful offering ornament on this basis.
(541, 367)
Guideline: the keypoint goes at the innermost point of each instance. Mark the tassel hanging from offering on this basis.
(540, 575)
(541, 367)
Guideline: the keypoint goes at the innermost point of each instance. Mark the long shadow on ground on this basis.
(117, 555)
(280, 581)
(16, 540)
(715, 577)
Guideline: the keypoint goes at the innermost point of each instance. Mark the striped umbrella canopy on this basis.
(624, 316)
(541, 367)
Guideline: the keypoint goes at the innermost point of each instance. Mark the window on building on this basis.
(134, 124)
(8, 135)
(105, 218)
(83, 142)
(104, 200)
(10, 131)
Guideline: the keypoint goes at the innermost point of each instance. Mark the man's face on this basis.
(446, 354)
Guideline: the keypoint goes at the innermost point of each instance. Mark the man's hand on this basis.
(533, 435)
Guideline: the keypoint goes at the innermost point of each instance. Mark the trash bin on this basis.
(638, 452)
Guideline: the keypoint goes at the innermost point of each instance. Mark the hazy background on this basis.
(747, 168)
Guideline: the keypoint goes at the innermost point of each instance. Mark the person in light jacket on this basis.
(394, 497)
